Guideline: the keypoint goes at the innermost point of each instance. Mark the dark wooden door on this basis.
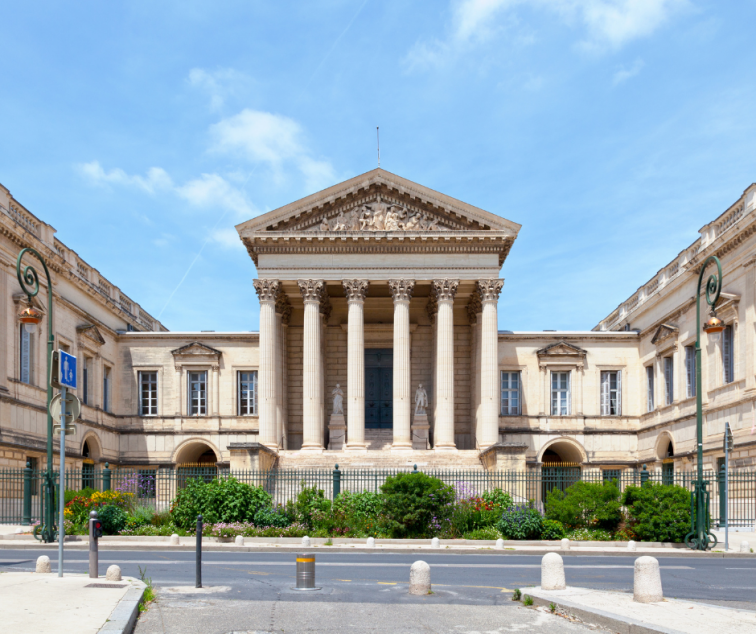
(379, 388)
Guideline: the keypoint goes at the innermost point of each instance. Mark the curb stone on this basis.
(614, 622)
(123, 618)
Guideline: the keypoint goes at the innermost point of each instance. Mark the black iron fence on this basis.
(20, 489)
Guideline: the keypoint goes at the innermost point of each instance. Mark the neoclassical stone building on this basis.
(379, 346)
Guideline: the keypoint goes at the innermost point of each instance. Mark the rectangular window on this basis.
(148, 402)
(690, 370)
(650, 388)
(247, 391)
(611, 393)
(510, 393)
(669, 380)
(560, 393)
(728, 355)
(197, 393)
(26, 356)
(106, 388)
(86, 368)
(611, 475)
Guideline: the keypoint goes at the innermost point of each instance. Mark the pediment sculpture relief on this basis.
(380, 216)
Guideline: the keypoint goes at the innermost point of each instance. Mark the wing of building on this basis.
(379, 347)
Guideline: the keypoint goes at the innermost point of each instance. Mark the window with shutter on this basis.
(650, 388)
(669, 385)
(611, 393)
(690, 370)
(727, 355)
(25, 370)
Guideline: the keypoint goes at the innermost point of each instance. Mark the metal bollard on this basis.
(95, 531)
(198, 574)
(305, 572)
(26, 519)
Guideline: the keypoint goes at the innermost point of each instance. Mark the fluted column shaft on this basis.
(267, 291)
(311, 366)
(445, 291)
(401, 290)
(356, 290)
(489, 363)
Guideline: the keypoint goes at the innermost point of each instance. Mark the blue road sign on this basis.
(67, 370)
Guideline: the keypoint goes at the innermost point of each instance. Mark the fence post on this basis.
(106, 477)
(644, 476)
(198, 555)
(722, 496)
(336, 482)
(26, 519)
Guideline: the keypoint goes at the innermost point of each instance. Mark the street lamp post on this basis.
(29, 281)
(700, 538)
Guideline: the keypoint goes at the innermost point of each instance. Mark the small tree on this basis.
(586, 505)
(658, 512)
(415, 505)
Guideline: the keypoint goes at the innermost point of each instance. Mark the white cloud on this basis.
(609, 24)
(212, 190)
(227, 238)
(623, 74)
(219, 85)
(156, 178)
(271, 139)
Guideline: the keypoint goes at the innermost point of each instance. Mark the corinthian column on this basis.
(267, 291)
(401, 290)
(443, 437)
(356, 290)
(312, 291)
(283, 310)
(489, 363)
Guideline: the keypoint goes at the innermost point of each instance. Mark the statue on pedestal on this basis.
(421, 400)
(338, 400)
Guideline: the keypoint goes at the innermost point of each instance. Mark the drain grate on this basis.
(106, 585)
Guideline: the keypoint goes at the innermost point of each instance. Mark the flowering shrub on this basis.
(589, 535)
(483, 533)
(552, 529)
(521, 522)
(472, 512)
(248, 529)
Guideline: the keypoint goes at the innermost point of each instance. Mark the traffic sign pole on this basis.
(62, 480)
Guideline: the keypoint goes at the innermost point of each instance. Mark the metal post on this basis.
(722, 493)
(106, 477)
(644, 476)
(305, 572)
(62, 481)
(198, 572)
(94, 555)
(727, 492)
(26, 519)
(336, 482)
(29, 281)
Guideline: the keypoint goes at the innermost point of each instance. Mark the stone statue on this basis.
(421, 400)
(338, 400)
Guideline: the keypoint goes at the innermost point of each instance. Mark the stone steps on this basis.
(379, 439)
(465, 460)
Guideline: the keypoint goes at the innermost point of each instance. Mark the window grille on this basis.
(510, 393)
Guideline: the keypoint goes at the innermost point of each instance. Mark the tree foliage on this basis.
(586, 505)
(658, 512)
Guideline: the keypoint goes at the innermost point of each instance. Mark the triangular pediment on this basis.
(196, 349)
(377, 201)
(92, 333)
(561, 348)
(664, 332)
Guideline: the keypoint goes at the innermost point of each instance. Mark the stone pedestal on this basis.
(420, 432)
(505, 456)
(251, 456)
(336, 432)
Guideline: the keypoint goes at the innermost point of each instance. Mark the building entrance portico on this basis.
(379, 391)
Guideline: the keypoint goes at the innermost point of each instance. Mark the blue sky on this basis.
(612, 130)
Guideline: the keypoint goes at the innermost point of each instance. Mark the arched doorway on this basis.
(560, 468)
(196, 460)
(87, 467)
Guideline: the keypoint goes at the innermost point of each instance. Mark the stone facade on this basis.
(379, 263)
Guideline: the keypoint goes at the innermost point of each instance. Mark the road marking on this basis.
(387, 583)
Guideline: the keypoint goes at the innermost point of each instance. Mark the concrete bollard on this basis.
(745, 547)
(371, 542)
(565, 544)
(499, 544)
(435, 543)
(239, 540)
(113, 573)
(306, 541)
(631, 545)
(420, 580)
(647, 586)
(43, 564)
(175, 541)
(552, 572)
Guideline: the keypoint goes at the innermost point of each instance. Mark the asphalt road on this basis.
(252, 590)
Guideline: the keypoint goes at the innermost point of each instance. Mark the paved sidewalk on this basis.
(618, 612)
(33, 603)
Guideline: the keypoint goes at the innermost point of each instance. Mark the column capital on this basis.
(432, 308)
(401, 290)
(445, 290)
(355, 290)
(311, 290)
(474, 308)
(267, 290)
(489, 290)
(325, 306)
(283, 307)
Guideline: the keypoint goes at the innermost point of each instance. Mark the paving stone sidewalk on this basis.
(33, 603)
